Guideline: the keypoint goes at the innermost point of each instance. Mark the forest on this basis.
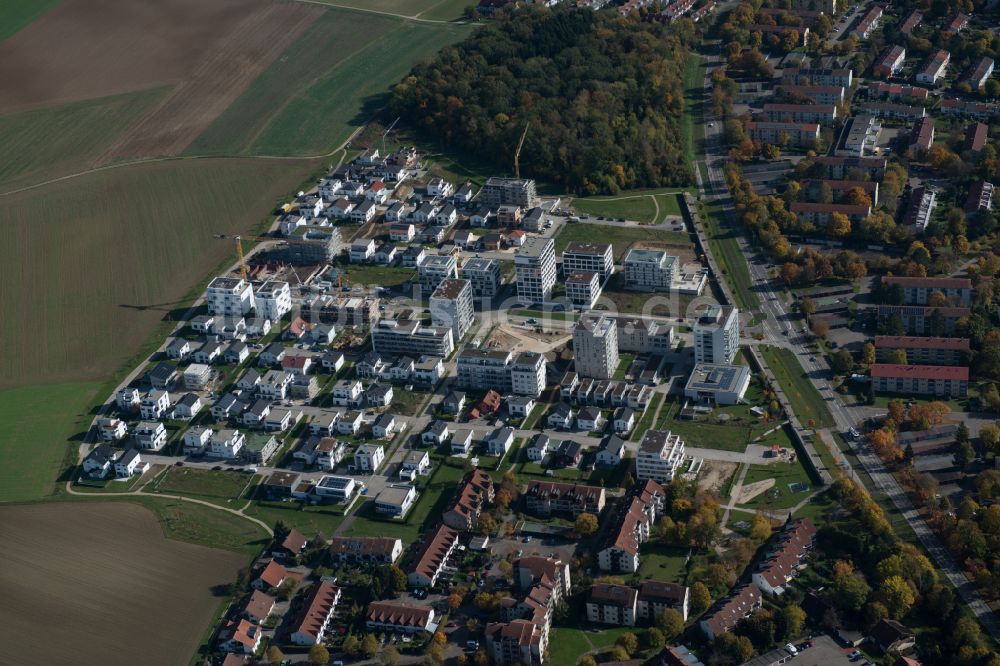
(601, 97)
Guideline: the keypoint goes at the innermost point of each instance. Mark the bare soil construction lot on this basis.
(106, 587)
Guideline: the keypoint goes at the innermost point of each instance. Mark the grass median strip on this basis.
(805, 401)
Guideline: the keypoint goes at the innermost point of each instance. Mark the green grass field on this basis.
(46, 143)
(632, 205)
(309, 520)
(646, 421)
(384, 276)
(15, 14)
(693, 100)
(194, 523)
(332, 39)
(805, 400)
(203, 482)
(620, 237)
(35, 424)
(725, 248)
(344, 98)
(94, 265)
(780, 496)
(662, 563)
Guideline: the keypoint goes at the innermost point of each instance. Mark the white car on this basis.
(791, 649)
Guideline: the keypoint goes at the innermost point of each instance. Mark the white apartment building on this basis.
(227, 444)
(484, 369)
(229, 296)
(595, 346)
(660, 455)
(717, 335)
(406, 336)
(527, 374)
(593, 257)
(583, 288)
(484, 275)
(648, 270)
(535, 264)
(435, 269)
(451, 307)
(369, 457)
(274, 300)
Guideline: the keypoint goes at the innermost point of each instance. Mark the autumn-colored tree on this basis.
(319, 655)
(487, 525)
(989, 436)
(820, 328)
(628, 641)
(502, 499)
(856, 196)
(369, 645)
(671, 623)
(937, 299)
(807, 306)
(587, 660)
(274, 655)
(896, 594)
(454, 601)
(701, 599)
(585, 524)
(760, 528)
(790, 273)
(351, 645)
(868, 354)
(842, 568)
(655, 639)
(838, 226)
(898, 356)
(791, 619)
(896, 412)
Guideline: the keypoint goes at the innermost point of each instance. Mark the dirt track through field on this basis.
(190, 107)
(98, 583)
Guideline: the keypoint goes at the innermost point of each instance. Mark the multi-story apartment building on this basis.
(803, 135)
(921, 320)
(484, 275)
(660, 455)
(946, 381)
(535, 265)
(800, 113)
(595, 346)
(982, 71)
(934, 68)
(918, 290)
(592, 257)
(583, 288)
(648, 269)
(273, 299)
(608, 603)
(921, 207)
(509, 191)
(406, 336)
(435, 269)
(451, 306)
(980, 197)
(717, 335)
(922, 135)
(229, 296)
(543, 498)
(803, 76)
(474, 492)
(894, 111)
(838, 188)
(852, 167)
(897, 92)
(818, 94)
(644, 336)
(656, 596)
(868, 23)
(922, 350)
(890, 61)
(527, 374)
(432, 556)
(484, 369)
(341, 311)
(634, 524)
(819, 213)
(910, 23)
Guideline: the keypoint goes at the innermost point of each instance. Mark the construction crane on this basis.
(517, 153)
(386, 133)
(239, 246)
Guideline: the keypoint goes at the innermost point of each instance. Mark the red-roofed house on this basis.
(937, 380)
(472, 496)
(291, 545)
(273, 575)
(922, 350)
(314, 614)
(727, 613)
(398, 617)
(432, 557)
(241, 636)
(783, 558)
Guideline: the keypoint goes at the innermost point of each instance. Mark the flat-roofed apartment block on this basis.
(594, 257)
(583, 288)
(273, 299)
(612, 604)
(648, 269)
(451, 306)
(644, 336)
(313, 245)
(509, 191)
(803, 135)
(717, 335)
(344, 311)
(535, 265)
(714, 384)
(920, 320)
(946, 381)
(921, 207)
(543, 498)
(917, 290)
(894, 110)
(862, 136)
(484, 275)
(527, 374)
(411, 337)
(229, 296)
(800, 113)
(595, 346)
(660, 456)
(922, 350)
(435, 269)
(484, 369)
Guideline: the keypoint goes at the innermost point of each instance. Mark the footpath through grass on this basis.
(807, 403)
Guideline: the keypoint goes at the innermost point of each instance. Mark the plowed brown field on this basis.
(98, 583)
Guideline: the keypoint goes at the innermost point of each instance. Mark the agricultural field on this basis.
(35, 424)
(204, 483)
(135, 579)
(620, 237)
(102, 260)
(428, 9)
(15, 14)
(323, 115)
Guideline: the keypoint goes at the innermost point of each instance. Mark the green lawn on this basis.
(309, 520)
(57, 140)
(345, 96)
(35, 424)
(693, 100)
(406, 403)
(663, 563)
(780, 496)
(203, 482)
(728, 428)
(535, 414)
(620, 237)
(566, 646)
(194, 523)
(806, 402)
(725, 247)
(624, 363)
(646, 422)
(383, 276)
(539, 314)
(15, 14)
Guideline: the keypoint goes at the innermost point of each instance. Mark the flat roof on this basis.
(711, 377)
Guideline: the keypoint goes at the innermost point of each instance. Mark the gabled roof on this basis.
(399, 614)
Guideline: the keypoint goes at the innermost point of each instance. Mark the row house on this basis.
(432, 557)
(889, 62)
(398, 617)
(783, 556)
(474, 493)
(543, 498)
(934, 68)
(632, 527)
(726, 614)
(365, 550)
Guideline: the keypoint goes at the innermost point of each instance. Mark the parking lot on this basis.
(824, 652)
